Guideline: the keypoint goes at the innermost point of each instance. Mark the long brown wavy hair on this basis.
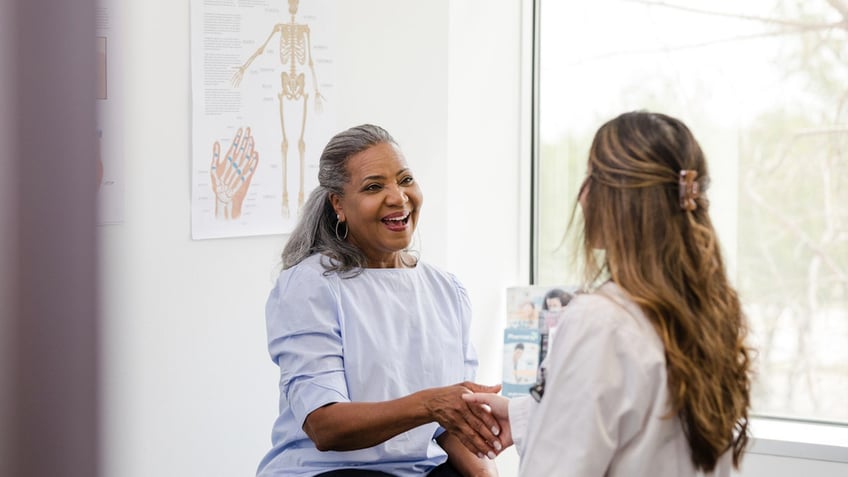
(667, 260)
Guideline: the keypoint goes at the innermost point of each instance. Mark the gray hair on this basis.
(315, 231)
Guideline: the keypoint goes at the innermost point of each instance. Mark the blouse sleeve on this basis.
(595, 396)
(304, 339)
(463, 304)
(469, 352)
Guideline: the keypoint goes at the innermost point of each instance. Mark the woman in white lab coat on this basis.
(649, 374)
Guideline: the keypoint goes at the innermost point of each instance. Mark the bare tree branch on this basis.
(651, 51)
(840, 106)
(840, 6)
(795, 229)
(769, 168)
(740, 16)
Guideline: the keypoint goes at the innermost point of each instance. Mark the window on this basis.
(763, 84)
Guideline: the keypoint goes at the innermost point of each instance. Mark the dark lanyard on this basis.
(538, 390)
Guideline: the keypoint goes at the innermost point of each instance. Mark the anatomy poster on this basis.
(262, 105)
(109, 94)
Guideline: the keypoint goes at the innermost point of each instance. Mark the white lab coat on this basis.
(606, 399)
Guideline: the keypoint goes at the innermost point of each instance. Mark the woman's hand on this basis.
(498, 406)
(472, 424)
(463, 460)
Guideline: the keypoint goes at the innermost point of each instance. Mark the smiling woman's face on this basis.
(380, 204)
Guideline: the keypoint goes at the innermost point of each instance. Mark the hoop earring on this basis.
(341, 239)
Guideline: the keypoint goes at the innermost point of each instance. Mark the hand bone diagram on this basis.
(231, 174)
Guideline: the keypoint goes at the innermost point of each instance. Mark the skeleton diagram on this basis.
(295, 51)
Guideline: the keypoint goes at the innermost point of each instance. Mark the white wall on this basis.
(188, 388)
(489, 164)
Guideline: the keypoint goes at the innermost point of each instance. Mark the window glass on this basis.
(763, 84)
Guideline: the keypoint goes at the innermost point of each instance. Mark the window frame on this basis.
(770, 436)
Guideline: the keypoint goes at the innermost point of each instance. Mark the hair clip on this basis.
(689, 190)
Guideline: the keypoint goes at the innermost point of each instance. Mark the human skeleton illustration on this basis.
(295, 52)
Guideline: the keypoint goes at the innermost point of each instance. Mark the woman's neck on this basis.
(396, 260)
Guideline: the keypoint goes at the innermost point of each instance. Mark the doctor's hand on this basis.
(498, 406)
(472, 424)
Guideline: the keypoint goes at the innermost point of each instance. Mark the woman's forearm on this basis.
(348, 426)
(463, 460)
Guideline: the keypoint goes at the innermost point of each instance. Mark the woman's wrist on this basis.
(422, 406)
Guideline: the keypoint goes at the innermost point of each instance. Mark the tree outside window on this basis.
(764, 86)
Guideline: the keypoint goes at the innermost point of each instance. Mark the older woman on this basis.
(370, 340)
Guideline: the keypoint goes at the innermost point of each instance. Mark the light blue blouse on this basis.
(381, 335)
